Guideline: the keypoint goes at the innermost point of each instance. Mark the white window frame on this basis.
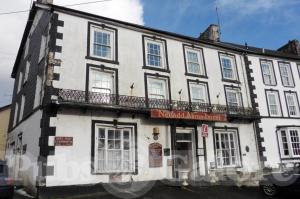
(277, 101)
(232, 60)
(200, 62)
(92, 88)
(43, 47)
(233, 145)
(289, 142)
(16, 114)
(271, 74)
(106, 149)
(237, 92)
(295, 101)
(289, 76)
(26, 72)
(20, 79)
(165, 92)
(200, 85)
(163, 56)
(112, 41)
(22, 108)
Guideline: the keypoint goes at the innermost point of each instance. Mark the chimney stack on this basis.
(45, 1)
(212, 33)
(292, 47)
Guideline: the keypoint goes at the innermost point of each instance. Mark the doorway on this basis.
(184, 154)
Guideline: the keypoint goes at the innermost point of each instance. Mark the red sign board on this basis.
(204, 130)
(217, 117)
(63, 141)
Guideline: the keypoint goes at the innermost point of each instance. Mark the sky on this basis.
(261, 23)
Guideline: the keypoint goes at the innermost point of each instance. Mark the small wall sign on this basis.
(155, 155)
(204, 130)
(63, 141)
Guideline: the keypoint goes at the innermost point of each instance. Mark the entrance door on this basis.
(185, 156)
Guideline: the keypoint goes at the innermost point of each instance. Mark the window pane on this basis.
(286, 74)
(285, 146)
(268, 73)
(227, 68)
(102, 44)
(295, 141)
(273, 104)
(157, 89)
(292, 104)
(154, 54)
(198, 93)
(193, 62)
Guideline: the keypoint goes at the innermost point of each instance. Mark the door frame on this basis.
(195, 144)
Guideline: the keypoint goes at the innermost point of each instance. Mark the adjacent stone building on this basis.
(4, 120)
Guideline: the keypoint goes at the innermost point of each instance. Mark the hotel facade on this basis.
(97, 100)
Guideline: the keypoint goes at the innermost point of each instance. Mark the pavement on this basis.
(189, 192)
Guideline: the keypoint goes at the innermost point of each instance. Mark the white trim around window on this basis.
(268, 73)
(198, 92)
(273, 103)
(289, 142)
(155, 54)
(157, 88)
(228, 66)
(102, 42)
(292, 104)
(194, 61)
(114, 149)
(286, 74)
(233, 96)
(227, 149)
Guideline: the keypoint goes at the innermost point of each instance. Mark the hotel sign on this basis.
(215, 117)
(63, 141)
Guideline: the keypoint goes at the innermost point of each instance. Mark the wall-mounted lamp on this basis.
(180, 92)
(155, 133)
(131, 88)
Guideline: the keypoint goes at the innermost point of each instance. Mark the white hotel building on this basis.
(97, 98)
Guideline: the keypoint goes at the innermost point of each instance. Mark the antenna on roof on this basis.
(218, 17)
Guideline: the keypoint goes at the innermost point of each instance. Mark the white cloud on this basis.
(12, 28)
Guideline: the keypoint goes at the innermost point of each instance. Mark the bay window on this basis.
(292, 103)
(194, 61)
(286, 74)
(228, 65)
(273, 101)
(227, 148)
(114, 149)
(289, 140)
(268, 72)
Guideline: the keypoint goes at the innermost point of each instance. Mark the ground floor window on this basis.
(289, 142)
(227, 148)
(114, 149)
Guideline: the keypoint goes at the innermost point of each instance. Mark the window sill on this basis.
(288, 86)
(270, 84)
(156, 69)
(114, 173)
(195, 75)
(231, 81)
(292, 158)
(103, 60)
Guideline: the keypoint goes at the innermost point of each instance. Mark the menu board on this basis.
(155, 155)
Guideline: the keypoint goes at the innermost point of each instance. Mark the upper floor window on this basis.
(43, 47)
(286, 74)
(16, 114)
(292, 103)
(26, 72)
(194, 61)
(289, 140)
(102, 43)
(227, 148)
(20, 79)
(298, 66)
(157, 88)
(268, 72)
(22, 107)
(233, 97)
(228, 65)
(155, 55)
(198, 92)
(273, 101)
(102, 84)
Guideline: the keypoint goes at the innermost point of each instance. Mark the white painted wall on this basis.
(31, 133)
(269, 124)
